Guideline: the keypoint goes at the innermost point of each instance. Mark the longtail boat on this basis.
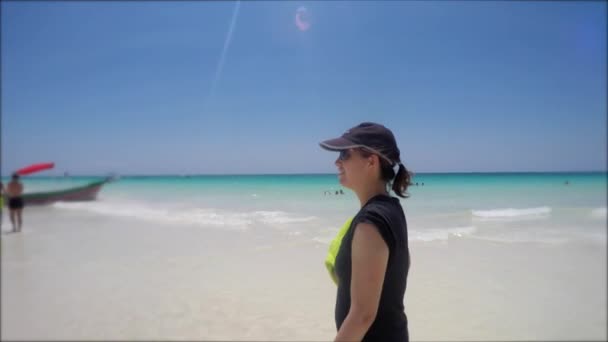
(86, 192)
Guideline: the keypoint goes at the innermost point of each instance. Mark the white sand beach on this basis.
(72, 276)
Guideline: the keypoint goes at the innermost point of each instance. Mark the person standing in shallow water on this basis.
(373, 260)
(1, 203)
(14, 190)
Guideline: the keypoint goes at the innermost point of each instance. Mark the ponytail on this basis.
(402, 181)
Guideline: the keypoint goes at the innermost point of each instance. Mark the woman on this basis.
(373, 259)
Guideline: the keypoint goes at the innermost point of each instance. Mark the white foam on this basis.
(523, 239)
(598, 236)
(512, 213)
(324, 240)
(278, 217)
(551, 235)
(599, 213)
(424, 234)
(441, 234)
(189, 216)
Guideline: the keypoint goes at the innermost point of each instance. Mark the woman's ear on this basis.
(374, 160)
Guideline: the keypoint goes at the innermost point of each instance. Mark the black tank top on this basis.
(387, 215)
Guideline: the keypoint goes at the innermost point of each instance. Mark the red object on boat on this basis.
(35, 168)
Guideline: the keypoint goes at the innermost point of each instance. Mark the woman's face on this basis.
(353, 168)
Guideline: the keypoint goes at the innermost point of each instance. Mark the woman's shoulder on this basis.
(383, 204)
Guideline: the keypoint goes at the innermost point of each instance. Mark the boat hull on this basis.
(77, 194)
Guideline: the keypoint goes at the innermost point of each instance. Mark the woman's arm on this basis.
(369, 259)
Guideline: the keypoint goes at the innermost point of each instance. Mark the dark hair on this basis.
(401, 181)
(15, 176)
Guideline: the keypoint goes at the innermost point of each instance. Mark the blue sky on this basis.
(128, 87)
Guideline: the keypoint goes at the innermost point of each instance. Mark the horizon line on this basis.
(293, 174)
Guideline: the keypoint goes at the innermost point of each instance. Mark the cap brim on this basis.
(337, 144)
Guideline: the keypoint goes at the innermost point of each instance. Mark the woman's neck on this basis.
(366, 193)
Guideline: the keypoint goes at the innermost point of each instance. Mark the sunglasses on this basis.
(345, 155)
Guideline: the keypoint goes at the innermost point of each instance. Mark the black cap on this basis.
(368, 135)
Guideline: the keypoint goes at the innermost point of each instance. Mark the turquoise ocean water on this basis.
(509, 207)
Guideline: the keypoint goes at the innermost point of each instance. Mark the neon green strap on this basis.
(334, 247)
